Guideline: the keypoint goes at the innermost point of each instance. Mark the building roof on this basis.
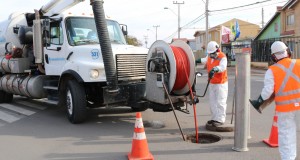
(289, 4)
(217, 27)
(198, 32)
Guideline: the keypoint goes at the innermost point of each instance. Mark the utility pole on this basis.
(206, 27)
(262, 18)
(178, 3)
(156, 31)
(146, 40)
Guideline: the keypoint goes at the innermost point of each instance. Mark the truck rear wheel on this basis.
(5, 97)
(8, 97)
(76, 102)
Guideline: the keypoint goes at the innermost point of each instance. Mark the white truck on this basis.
(55, 54)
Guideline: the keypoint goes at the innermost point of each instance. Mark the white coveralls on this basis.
(218, 94)
(286, 122)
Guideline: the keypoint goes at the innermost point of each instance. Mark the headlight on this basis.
(94, 73)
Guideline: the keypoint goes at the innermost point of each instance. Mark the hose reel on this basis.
(170, 75)
(169, 63)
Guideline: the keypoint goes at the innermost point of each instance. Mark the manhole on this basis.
(203, 138)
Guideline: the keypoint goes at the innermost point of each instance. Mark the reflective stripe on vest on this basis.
(219, 78)
(286, 100)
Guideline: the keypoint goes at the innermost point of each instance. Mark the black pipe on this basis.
(105, 46)
(205, 88)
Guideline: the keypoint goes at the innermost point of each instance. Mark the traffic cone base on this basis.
(148, 157)
(273, 138)
(139, 149)
(267, 141)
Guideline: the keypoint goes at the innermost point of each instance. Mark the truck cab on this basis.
(72, 53)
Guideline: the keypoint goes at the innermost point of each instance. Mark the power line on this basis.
(244, 9)
(192, 22)
(239, 6)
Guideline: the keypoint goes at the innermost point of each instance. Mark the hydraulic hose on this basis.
(105, 45)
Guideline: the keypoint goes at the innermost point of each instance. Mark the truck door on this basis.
(55, 53)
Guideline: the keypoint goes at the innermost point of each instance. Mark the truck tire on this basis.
(139, 107)
(76, 102)
(8, 97)
(5, 97)
(2, 96)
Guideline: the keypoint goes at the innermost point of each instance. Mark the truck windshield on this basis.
(82, 31)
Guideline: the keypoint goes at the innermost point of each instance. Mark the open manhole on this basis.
(203, 138)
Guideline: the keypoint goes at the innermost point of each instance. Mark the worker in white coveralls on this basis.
(216, 64)
(283, 79)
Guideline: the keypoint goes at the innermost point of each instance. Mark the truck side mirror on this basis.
(124, 29)
(46, 32)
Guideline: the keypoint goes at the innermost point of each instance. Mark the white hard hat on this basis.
(212, 47)
(278, 46)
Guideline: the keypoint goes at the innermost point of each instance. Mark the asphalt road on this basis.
(36, 130)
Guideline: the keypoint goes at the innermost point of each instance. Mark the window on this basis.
(216, 36)
(276, 27)
(56, 34)
(82, 31)
(290, 20)
(200, 38)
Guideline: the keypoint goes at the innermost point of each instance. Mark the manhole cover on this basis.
(203, 138)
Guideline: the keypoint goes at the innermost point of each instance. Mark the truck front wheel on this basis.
(76, 102)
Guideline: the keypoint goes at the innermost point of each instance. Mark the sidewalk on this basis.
(260, 65)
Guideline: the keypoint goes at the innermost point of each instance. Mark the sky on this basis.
(141, 16)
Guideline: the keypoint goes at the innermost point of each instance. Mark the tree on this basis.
(131, 40)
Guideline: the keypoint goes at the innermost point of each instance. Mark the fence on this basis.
(261, 48)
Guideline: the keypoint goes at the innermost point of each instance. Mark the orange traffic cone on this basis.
(273, 139)
(139, 150)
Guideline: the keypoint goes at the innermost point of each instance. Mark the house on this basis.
(272, 29)
(290, 30)
(283, 23)
(282, 26)
(248, 31)
(290, 12)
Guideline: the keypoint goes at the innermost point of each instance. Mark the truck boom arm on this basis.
(58, 6)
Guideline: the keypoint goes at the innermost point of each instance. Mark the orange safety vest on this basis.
(218, 78)
(287, 84)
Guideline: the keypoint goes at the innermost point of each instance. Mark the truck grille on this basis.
(131, 66)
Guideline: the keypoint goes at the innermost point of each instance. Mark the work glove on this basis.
(198, 61)
(257, 103)
(212, 72)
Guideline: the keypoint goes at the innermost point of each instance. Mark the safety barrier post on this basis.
(242, 110)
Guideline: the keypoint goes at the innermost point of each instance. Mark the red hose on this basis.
(182, 70)
(182, 66)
